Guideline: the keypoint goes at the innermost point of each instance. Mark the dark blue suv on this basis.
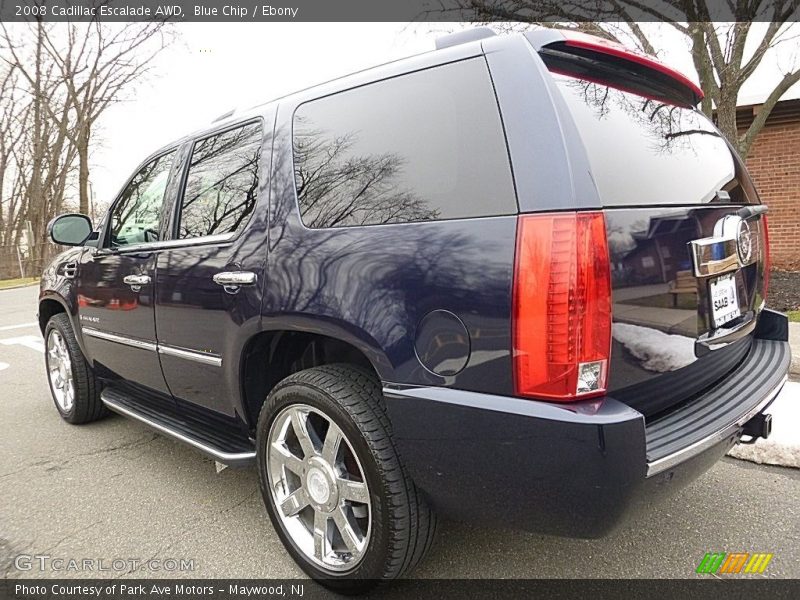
(518, 279)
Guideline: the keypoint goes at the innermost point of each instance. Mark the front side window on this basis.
(222, 183)
(420, 147)
(136, 218)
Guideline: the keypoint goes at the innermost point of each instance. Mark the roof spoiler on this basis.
(578, 44)
(463, 37)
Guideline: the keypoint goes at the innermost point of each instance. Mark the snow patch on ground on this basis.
(783, 446)
(658, 351)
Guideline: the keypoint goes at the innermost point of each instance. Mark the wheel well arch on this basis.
(271, 356)
(47, 308)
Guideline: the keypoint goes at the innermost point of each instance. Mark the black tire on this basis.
(87, 406)
(402, 525)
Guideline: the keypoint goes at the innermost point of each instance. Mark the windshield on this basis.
(647, 152)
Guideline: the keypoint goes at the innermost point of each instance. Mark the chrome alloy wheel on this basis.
(59, 369)
(318, 488)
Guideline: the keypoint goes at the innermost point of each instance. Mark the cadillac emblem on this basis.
(744, 242)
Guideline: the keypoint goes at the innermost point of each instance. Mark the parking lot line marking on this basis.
(29, 341)
(20, 326)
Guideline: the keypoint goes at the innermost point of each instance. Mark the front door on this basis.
(116, 281)
(208, 289)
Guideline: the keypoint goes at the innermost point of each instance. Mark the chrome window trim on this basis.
(120, 339)
(201, 357)
(195, 355)
(219, 238)
(669, 461)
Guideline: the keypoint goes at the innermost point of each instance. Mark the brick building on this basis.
(774, 162)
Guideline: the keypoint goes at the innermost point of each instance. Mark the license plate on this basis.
(724, 303)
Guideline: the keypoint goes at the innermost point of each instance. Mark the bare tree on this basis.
(97, 64)
(56, 80)
(725, 55)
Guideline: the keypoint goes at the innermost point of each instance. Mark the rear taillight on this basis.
(767, 260)
(562, 306)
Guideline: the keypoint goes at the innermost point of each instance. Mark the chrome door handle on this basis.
(136, 281)
(231, 281)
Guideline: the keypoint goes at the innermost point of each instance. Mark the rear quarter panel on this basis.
(370, 286)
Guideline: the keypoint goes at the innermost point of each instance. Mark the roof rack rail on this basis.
(463, 37)
(224, 116)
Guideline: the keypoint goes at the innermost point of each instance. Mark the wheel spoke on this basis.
(294, 503)
(331, 446)
(282, 457)
(353, 490)
(320, 534)
(346, 531)
(300, 426)
(55, 378)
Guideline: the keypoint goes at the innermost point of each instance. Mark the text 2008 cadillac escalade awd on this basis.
(520, 279)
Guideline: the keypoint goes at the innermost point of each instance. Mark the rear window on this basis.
(419, 147)
(644, 151)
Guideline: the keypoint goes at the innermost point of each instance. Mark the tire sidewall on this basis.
(372, 564)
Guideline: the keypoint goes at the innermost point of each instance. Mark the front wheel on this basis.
(332, 481)
(75, 390)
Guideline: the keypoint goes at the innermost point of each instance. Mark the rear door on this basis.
(686, 235)
(209, 277)
(115, 282)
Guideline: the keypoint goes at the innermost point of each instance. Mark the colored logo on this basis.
(735, 562)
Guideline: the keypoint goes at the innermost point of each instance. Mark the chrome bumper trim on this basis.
(669, 461)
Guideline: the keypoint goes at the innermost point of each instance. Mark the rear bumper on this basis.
(574, 469)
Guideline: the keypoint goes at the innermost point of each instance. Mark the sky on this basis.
(214, 67)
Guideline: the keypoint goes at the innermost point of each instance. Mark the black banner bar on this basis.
(395, 10)
(731, 588)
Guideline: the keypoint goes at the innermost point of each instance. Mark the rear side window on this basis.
(222, 183)
(419, 147)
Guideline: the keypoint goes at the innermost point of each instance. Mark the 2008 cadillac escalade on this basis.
(519, 279)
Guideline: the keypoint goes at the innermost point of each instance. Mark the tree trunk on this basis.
(83, 169)
(726, 116)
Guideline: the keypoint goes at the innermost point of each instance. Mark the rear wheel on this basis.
(75, 391)
(333, 483)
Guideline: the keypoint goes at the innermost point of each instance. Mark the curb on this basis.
(22, 285)
(794, 342)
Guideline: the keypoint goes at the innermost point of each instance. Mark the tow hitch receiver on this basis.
(759, 426)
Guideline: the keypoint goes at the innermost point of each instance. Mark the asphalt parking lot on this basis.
(115, 489)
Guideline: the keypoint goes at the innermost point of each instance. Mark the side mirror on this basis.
(70, 230)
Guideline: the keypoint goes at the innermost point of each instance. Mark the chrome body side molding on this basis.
(202, 357)
(206, 358)
(119, 339)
